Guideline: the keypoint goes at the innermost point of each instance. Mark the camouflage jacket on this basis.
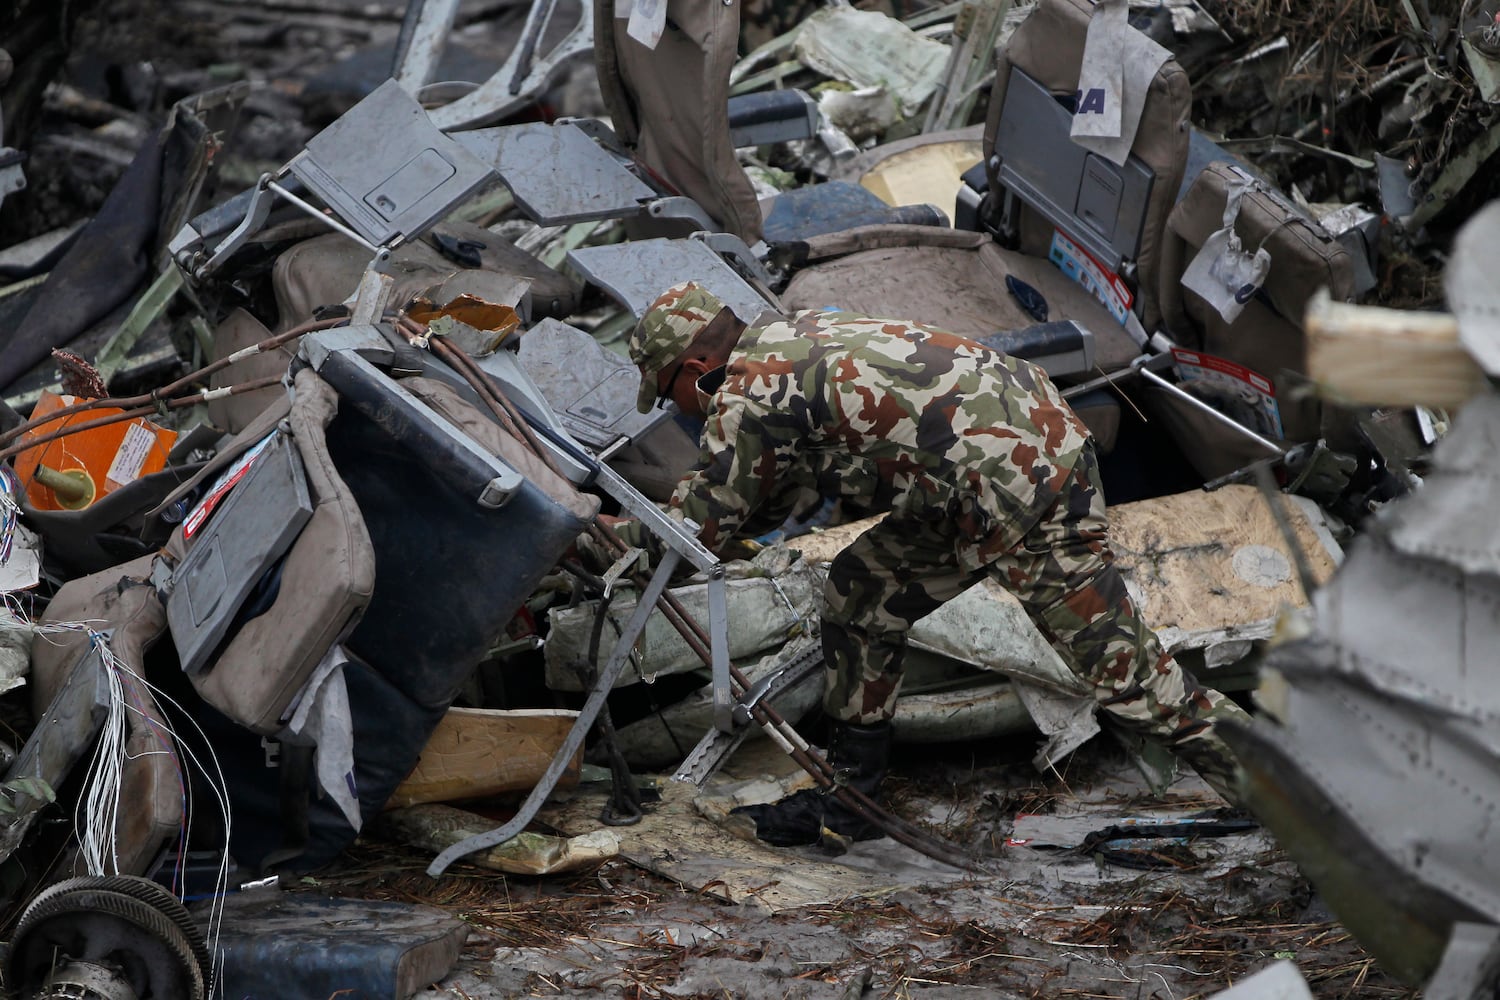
(892, 414)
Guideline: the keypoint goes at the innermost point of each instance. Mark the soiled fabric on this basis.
(102, 268)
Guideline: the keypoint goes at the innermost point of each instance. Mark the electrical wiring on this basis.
(10, 511)
(98, 808)
(193, 398)
(151, 400)
(217, 784)
(97, 812)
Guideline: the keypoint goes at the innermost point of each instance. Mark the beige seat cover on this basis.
(238, 331)
(671, 105)
(326, 581)
(1268, 339)
(958, 290)
(1048, 46)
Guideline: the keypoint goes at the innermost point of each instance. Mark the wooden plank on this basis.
(1374, 356)
(1206, 567)
(478, 752)
(1200, 562)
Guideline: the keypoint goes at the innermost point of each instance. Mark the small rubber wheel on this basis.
(78, 921)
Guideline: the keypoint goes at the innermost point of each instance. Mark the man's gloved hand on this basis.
(592, 554)
(629, 530)
(1318, 473)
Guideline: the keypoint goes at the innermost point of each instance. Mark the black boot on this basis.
(860, 756)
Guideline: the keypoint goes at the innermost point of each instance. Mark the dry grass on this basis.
(510, 911)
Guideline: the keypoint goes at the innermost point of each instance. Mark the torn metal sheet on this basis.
(1450, 522)
(20, 569)
(1280, 981)
(1470, 966)
(867, 48)
(1068, 721)
(1400, 653)
(636, 273)
(558, 174)
(1473, 293)
(1358, 229)
(1456, 175)
(528, 70)
(591, 390)
(978, 28)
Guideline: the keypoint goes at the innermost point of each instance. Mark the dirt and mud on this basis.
(1164, 919)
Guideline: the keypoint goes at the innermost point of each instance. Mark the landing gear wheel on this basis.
(160, 897)
(105, 939)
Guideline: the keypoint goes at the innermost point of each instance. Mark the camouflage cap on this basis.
(665, 331)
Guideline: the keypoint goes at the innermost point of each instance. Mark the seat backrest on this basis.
(325, 581)
(1267, 336)
(1129, 209)
(670, 105)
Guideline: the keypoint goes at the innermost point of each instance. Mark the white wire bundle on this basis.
(97, 813)
(98, 810)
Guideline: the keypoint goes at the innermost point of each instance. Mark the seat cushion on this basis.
(961, 290)
(121, 601)
(671, 104)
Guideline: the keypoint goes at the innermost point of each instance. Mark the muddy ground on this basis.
(1160, 921)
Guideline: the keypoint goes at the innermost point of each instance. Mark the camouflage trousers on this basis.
(1064, 576)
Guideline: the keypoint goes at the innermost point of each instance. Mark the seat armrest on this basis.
(772, 116)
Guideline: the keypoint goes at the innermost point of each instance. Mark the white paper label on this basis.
(1119, 63)
(1101, 80)
(223, 485)
(1103, 284)
(134, 450)
(648, 19)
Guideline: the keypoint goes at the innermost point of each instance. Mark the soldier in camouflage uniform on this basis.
(985, 471)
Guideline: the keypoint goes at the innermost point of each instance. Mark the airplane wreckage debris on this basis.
(313, 410)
